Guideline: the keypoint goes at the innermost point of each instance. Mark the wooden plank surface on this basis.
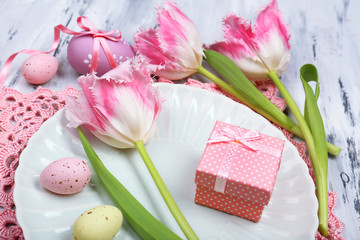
(325, 33)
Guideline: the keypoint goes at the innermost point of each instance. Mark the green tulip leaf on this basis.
(147, 226)
(251, 96)
(308, 73)
(241, 88)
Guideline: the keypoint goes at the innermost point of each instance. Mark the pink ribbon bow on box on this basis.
(89, 29)
(229, 135)
(246, 140)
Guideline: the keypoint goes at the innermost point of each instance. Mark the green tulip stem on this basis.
(170, 202)
(320, 177)
(222, 84)
(295, 110)
(145, 224)
(233, 92)
(260, 109)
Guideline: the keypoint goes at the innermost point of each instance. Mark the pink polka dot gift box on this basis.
(237, 171)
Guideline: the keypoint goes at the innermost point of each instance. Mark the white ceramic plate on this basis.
(184, 125)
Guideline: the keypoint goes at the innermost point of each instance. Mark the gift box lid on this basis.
(241, 163)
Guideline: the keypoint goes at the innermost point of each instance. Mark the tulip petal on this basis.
(250, 66)
(81, 110)
(174, 46)
(120, 74)
(148, 45)
(74, 117)
(269, 20)
(135, 111)
(162, 63)
(238, 31)
(120, 109)
(257, 49)
(177, 35)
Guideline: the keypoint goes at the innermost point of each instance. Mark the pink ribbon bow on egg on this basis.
(89, 29)
(99, 40)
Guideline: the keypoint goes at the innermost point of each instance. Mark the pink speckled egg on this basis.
(79, 53)
(66, 176)
(39, 68)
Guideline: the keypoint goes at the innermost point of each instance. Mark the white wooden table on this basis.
(325, 33)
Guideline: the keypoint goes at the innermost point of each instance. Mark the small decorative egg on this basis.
(80, 49)
(102, 222)
(39, 68)
(66, 176)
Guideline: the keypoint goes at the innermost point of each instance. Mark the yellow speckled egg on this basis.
(102, 222)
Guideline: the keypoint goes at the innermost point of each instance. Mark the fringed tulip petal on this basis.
(270, 20)
(174, 46)
(148, 45)
(82, 108)
(177, 34)
(121, 73)
(257, 49)
(120, 109)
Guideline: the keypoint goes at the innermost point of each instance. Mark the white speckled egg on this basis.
(80, 49)
(66, 176)
(39, 68)
(102, 222)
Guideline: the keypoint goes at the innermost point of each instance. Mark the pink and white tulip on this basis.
(120, 108)
(173, 47)
(257, 49)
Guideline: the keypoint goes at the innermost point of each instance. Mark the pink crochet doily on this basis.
(21, 115)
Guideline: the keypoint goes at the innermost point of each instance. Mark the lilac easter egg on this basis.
(80, 49)
(39, 68)
(66, 176)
